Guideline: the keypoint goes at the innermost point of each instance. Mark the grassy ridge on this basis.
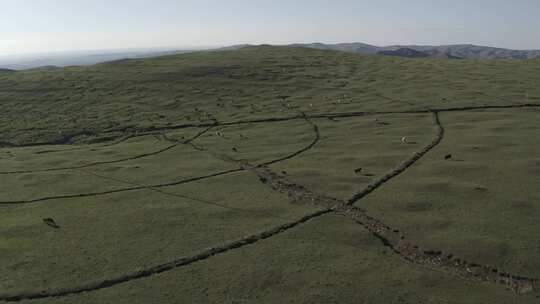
(80, 103)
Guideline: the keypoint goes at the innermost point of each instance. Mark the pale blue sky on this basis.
(31, 26)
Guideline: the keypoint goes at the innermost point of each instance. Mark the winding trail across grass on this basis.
(391, 238)
(126, 277)
(157, 269)
(316, 137)
(176, 144)
(439, 135)
(127, 189)
(395, 239)
(157, 130)
(191, 198)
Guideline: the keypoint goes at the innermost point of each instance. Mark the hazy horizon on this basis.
(90, 52)
(31, 27)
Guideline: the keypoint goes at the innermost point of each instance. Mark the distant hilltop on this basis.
(457, 51)
(405, 52)
(50, 61)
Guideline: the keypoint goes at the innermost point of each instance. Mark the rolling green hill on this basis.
(113, 99)
(271, 174)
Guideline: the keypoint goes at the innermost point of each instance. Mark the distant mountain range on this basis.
(457, 51)
(405, 52)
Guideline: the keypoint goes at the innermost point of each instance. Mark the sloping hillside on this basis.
(271, 174)
(109, 100)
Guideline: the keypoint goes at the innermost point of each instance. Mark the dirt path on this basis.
(183, 261)
(295, 192)
(175, 183)
(439, 134)
(391, 238)
(126, 277)
(176, 144)
(191, 198)
(127, 189)
(396, 240)
(156, 130)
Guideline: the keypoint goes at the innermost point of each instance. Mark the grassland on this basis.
(271, 174)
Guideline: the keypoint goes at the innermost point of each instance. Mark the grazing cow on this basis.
(404, 140)
(358, 171)
(447, 157)
(50, 222)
